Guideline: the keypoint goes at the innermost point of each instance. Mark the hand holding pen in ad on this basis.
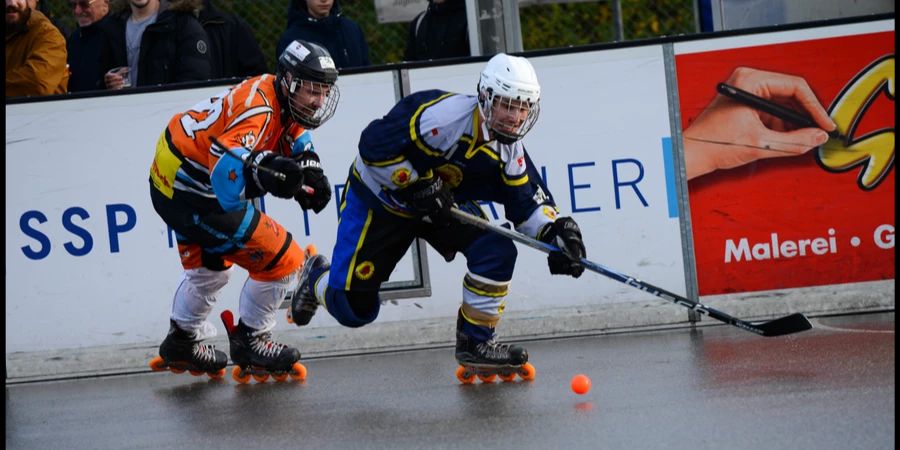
(758, 115)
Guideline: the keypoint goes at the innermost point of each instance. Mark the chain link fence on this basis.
(544, 25)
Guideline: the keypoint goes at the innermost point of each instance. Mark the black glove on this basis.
(260, 179)
(565, 234)
(315, 178)
(430, 198)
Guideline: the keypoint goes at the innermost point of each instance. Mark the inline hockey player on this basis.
(432, 150)
(210, 163)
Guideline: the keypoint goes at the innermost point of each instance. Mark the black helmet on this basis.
(301, 63)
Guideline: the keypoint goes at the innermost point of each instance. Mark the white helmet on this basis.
(509, 82)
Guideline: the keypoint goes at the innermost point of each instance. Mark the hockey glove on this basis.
(315, 178)
(259, 167)
(565, 234)
(430, 198)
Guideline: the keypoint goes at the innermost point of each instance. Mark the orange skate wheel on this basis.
(279, 377)
(311, 250)
(464, 375)
(218, 375)
(527, 372)
(487, 378)
(176, 369)
(507, 377)
(260, 377)
(289, 318)
(157, 364)
(236, 374)
(298, 372)
(196, 373)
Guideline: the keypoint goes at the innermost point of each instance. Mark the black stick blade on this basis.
(793, 323)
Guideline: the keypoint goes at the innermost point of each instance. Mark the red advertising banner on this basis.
(777, 205)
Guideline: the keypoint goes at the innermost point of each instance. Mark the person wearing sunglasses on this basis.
(92, 49)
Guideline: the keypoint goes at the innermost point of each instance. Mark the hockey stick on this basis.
(793, 323)
(274, 173)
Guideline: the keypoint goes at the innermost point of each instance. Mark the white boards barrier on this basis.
(90, 265)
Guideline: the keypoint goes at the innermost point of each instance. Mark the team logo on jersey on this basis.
(451, 174)
(549, 212)
(232, 175)
(248, 140)
(539, 196)
(400, 177)
(520, 161)
(201, 47)
(365, 270)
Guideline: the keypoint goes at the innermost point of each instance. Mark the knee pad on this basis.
(259, 300)
(352, 309)
(492, 256)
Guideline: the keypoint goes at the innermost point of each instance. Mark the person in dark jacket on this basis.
(441, 31)
(322, 22)
(164, 43)
(234, 51)
(92, 47)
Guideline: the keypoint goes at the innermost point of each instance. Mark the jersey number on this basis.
(212, 107)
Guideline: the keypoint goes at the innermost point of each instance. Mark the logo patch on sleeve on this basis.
(365, 270)
(400, 177)
(549, 212)
(248, 140)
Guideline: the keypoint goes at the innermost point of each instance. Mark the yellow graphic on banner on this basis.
(875, 150)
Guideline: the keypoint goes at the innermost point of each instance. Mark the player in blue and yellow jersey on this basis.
(433, 150)
(210, 163)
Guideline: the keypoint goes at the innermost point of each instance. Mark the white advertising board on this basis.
(89, 262)
(600, 140)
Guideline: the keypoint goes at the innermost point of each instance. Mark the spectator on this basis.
(164, 43)
(322, 22)
(35, 52)
(441, 31)
(233, 50)
(92, 46)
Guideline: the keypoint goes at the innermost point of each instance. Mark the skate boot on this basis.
(304, 303)
(182, 351)
(254, 353)
(488, 358)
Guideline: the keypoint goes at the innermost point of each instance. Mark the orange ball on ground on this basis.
(581, 384)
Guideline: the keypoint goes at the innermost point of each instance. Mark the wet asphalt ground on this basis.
(712, 387)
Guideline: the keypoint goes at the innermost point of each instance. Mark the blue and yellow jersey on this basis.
(436, 133)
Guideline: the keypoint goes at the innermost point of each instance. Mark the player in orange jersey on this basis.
(211, 162)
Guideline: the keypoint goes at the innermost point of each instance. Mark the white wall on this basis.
(91, 157)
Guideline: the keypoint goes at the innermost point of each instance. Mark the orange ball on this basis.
(581, 384)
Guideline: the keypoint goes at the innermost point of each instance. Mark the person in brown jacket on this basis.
(35, 52)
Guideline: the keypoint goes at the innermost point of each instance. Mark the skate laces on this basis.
(494, 350)
(204, 352)
(265, 346)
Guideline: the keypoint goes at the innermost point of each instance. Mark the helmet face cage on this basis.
(510, 130)
(307, 76)
(311, 103)
(508, 86)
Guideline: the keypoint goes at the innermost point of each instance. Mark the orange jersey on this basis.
(243, 118)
